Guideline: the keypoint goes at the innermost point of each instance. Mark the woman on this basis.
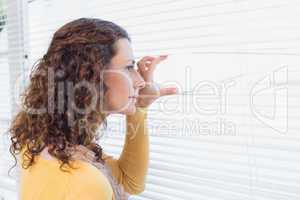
(87, 74)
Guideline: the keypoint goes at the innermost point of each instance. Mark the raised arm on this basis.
(131, 168)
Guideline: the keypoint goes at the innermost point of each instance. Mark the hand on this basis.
(151, 91)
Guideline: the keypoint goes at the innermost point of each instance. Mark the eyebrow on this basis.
(133, 61)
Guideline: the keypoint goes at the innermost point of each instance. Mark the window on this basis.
(233, 131)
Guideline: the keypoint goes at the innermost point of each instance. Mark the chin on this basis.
(131, 110)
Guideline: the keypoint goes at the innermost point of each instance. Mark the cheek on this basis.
(118, 93)
(119, 89)
(120, 85)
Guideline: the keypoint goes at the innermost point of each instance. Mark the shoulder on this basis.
(84, 182)
(87, 182)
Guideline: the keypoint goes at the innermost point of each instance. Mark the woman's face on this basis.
(122, 80)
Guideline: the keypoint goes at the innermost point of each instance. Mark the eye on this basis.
(129, 67)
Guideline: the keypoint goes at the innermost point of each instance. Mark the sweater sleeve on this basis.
(131, 168)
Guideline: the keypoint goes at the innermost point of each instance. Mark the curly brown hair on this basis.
(51, 115)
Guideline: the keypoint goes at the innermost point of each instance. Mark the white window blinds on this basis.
(233, 131)
(10, 47)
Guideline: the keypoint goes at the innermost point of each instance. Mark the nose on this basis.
(139, 82)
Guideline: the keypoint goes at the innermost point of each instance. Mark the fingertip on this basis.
(175, 90)
(163, 56)
(170, 91)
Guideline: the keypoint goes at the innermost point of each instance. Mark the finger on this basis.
(145, 59)
(156, 61)
(168, 91)
(143, 64)
(159, 59)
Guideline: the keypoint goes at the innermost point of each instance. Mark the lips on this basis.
(135, 95)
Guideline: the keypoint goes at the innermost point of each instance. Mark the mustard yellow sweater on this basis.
(45, 181)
